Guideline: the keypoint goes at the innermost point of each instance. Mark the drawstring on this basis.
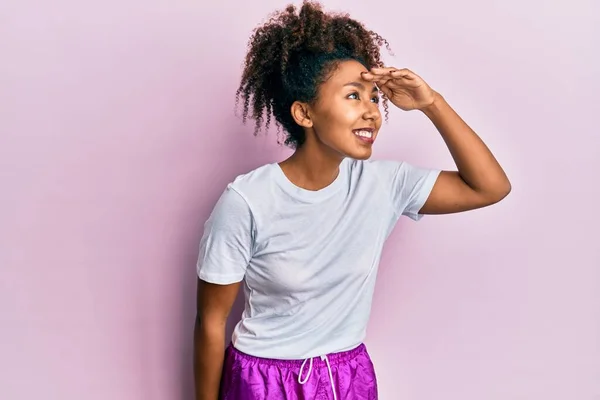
(310, 365)
(300, 381)
(324, 358)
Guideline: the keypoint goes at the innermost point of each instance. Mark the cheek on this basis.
(338, 115)
(346, 114)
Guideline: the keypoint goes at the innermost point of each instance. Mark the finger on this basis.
(393, 82)
(403, 74)
(394, 72)
(379, 74)
(382, 71)
(384, 80)
(375, 78)
(386, 91)
(367, 76)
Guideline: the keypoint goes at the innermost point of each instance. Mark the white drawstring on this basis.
(310, 365)
(300, 381)
(324, 358)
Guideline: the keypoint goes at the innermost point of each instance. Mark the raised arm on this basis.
(480, 180)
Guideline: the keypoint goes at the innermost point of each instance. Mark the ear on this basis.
(300, 113)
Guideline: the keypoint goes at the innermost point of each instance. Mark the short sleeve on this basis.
(409, 186)
(227, 242)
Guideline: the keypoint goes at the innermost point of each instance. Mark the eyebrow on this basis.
(361, 86)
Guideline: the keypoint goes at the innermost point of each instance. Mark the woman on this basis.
(304, 236)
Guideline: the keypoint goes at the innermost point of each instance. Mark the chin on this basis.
(360, 154)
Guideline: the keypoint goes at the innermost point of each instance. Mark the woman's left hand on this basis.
(405, 89)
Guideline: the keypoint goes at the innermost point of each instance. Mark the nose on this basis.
(371, 111)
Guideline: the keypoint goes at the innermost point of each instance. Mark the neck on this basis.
(313, 166)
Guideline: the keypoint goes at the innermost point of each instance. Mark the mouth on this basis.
(366, 135)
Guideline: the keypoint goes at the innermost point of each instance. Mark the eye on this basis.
(375, 99)
(356, 96)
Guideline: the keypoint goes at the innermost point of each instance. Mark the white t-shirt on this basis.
(308, 259)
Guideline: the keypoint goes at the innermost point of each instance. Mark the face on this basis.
(345, 118)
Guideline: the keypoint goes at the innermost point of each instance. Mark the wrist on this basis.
(434, 106)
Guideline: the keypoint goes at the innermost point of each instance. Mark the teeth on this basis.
(366, 134)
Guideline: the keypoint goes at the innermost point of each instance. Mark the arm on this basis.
(480, 181)
(214, 303)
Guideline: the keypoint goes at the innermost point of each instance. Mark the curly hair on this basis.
(291, 55)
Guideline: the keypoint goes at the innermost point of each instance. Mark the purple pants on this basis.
(350, 374)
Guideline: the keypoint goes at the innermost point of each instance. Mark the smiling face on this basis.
(345, 118)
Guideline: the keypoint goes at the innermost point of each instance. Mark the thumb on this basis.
(386, 91)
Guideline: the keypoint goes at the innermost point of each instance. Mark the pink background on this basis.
(117, 135)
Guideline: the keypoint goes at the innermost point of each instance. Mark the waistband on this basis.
(334, 358)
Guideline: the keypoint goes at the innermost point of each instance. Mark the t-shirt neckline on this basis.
(305, 194)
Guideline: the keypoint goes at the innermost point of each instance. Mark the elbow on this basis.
(499, 192)
(505, 188)
(210, 326)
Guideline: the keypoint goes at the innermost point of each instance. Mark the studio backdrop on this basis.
(118, 133)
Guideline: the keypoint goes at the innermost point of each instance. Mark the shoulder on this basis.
(385, 168)
(254, 181)
(249, 190)
(237, 204)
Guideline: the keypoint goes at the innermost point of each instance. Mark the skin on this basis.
(348, 101)
(213, 305)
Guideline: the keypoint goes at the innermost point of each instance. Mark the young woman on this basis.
(303, 237)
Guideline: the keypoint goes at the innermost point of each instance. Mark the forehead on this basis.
(348, 71)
